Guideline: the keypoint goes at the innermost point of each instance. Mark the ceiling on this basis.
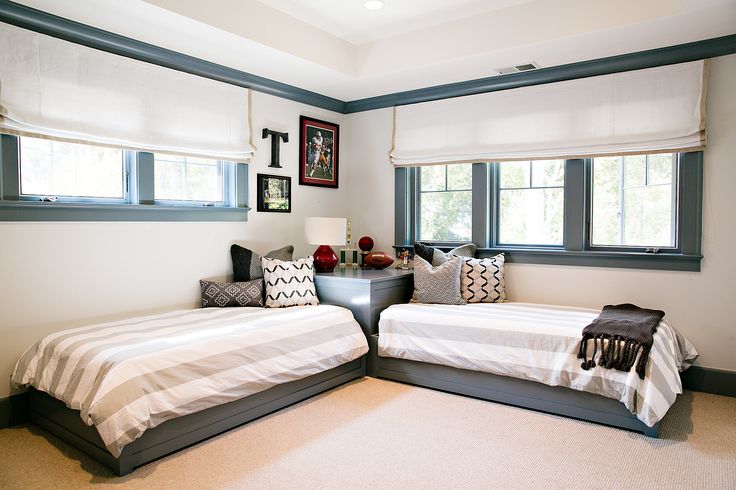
(340, 49)
(349, 20)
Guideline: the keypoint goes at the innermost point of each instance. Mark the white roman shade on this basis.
(643, 111)
(56, 89)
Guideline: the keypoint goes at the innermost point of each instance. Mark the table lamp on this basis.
(325, 232)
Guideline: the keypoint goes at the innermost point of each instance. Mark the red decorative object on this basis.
(325, 259)
(366, 244)
(378, 260)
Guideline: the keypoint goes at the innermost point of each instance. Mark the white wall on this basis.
(57, 275)
(697, 303)
(63, 274)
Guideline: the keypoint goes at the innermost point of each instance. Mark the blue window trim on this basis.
(576, 249)
(139, 204)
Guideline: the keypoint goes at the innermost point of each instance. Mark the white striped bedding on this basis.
(533, 342)
(131, 375)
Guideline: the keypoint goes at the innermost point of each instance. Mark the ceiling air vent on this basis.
(518, 68)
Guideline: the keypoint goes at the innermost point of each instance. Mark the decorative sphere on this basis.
(365, 243)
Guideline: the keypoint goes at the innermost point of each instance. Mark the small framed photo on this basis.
(274, 193)
(318, 152)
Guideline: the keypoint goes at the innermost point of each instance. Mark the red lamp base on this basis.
(325, 259)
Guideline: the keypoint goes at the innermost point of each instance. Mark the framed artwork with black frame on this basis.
(274, 193)
(318, 152)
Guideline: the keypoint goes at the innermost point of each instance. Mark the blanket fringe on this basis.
(614, 353)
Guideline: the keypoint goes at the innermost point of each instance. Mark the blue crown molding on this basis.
(52, 25)
(69, 30)
(680, 53)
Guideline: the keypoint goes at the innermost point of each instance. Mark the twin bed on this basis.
(526, 354)
(155, 384)
(132, 391)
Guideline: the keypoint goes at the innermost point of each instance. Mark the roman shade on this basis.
(51, 88)
(642, 111)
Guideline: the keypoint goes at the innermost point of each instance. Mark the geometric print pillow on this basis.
(437, 285)
(224, 294)
(482, 281)
(289, 283)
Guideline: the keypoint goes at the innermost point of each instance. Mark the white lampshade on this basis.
(326, 231)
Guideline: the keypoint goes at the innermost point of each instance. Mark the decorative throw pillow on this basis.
(436, 257)
(247, 263)
(289, 283)
(439, 284)
(223, 294)
(481, 280)
(423, 251)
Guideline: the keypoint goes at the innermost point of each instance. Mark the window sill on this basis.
(624, 260)
(56, 211)
(630, 260)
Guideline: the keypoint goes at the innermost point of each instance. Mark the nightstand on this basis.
(365, 292)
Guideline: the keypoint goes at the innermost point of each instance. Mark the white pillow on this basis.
(482, 281)
(289, 283)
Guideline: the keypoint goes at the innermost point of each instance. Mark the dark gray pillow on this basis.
(424, 251)
(436, 257)
(439, 284)
(222, 294)
(247, 263)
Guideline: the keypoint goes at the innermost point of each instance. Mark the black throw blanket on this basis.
(619, 333)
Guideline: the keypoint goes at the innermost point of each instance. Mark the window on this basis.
(640, 211)
(46, 180)
(53, 168)
(445, 203)
(181, 178)
(634, 201)
(531, 202)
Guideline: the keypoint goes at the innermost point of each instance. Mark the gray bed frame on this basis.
(557, 400)
(173, 435)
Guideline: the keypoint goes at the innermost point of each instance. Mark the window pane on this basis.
(660, 168)
(635, 171)
(459, 177)
(648, 215)
(548, 173)
(606, 201)
(433, 178)
(531, 216)
(446, 216)
(445, 202)
(531, 200)
(638, 208)
(178, 178)
(515, 175)
(53, 168)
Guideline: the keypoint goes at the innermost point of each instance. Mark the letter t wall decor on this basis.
(275, 145)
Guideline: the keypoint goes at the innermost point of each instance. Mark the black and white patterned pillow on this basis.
(289, 283)
(436, 257)
(481, 280)
(440, 285)
(247, 263)
(222, 294)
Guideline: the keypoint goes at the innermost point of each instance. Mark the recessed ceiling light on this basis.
(373, 4)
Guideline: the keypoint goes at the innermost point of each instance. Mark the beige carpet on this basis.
(380, 434)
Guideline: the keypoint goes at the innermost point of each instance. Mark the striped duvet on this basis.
(533, 342)
(128, 376)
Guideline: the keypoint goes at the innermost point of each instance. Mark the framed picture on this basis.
(274, 193)
(318, 152)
